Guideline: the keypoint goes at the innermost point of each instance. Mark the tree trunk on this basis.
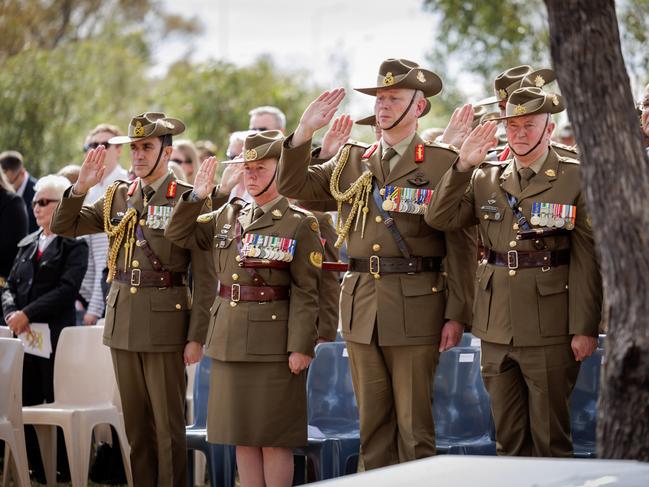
(587, 57)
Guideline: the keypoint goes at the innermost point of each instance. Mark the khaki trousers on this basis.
(393, 387)
(152, 389)
(530, 391)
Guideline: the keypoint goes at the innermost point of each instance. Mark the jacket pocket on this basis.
(347, 300)
(482, 299)
(552, 288)
(221, 246)
(423, 305)
(267, 329)
(169, 318)
(111, 304)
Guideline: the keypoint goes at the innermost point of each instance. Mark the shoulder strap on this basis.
(389, 222)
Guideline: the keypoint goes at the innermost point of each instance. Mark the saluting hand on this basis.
(459, 126)
(337, 136)
(318, 114)
(475, 147)
(232, 175)
(204, 180)
(297, 362)
(92, 170)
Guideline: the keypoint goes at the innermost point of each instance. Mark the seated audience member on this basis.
(41, 288)
(14, 222)
(206, 148)
(186, 155)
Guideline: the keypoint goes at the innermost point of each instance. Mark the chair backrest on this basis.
(5, 332)
(201, 391)
(461, 405)
(583, 402)
(11, 379)
(469, 340)
(330, 394)
(83, 371)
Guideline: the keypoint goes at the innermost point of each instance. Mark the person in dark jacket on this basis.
(41, 288)
(23, 183)
(13, 221)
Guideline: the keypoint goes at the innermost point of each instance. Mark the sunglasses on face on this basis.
(42, 202)
(178, 161)
(94, 145)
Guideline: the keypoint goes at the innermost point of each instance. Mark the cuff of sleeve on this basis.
(304, 346)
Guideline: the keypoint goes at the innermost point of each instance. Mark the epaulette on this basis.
(300, 210)
(184, 183)
(442, 145)
(569, 148)
(493, 163)
(358, 144)
(568, 160)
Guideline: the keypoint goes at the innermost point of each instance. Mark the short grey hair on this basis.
(57, 184)
(240, 136)
(270, 110)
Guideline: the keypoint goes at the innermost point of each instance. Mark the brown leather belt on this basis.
(388, 265)
(515, 259)
(237, 292)
(143, 278)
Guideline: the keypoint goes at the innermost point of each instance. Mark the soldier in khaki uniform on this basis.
(154, 325)
(538, 289)
(398, 309)
(268, 257)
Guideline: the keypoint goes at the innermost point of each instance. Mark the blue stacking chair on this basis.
(461, 405)
(334, 437)
(469, 340)
(221, 459)
(583, 406)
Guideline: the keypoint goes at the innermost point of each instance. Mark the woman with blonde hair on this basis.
(186, 156)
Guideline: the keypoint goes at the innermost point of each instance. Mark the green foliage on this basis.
(485, 38)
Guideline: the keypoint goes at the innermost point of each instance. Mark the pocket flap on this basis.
(549, 284)
(349, 283)
(111, 299)
(264, 312)
(168, 302)
(419, 286)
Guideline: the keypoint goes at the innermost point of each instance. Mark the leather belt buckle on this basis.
(235, 293)
(136, 277)
(512, 259)
(375, 266)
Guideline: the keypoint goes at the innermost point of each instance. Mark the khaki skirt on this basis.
(258, 404)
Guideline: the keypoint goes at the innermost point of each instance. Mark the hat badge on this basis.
(555, 100)
(502, 93)
(520, 110)
(420, 77)
(250, 154)
(539, 81)
(388, 79)
(139, 130)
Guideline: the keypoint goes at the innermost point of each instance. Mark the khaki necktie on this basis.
(525, 174)
(257, 213)
(385, 161)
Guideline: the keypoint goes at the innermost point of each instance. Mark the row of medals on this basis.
(267, 253)
(158, 216)
(407, 203)
(550, 219)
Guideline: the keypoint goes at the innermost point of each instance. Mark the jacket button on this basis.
(378, 219)
(376, 247)
(515, 226)
(235, 277)
(233, 304)
(434, 289)
(377, 276)
(486, 217)
(178, 306)
(512, 272)
(513, 243)
(274, 317)
(133, 290)
(142, 222)
(135, 263)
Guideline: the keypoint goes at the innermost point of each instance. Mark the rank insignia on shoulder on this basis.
(550, 172)
(277, 213)
(370, 150)
(316, 259)
(171, 189)
(132, 187)
(205, 218)
(419, 153)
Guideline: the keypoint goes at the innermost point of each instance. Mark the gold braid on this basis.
(357, 195)
(116, 232)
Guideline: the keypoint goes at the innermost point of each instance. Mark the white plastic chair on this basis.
(84, 392)
(12, 431)
(5, 332)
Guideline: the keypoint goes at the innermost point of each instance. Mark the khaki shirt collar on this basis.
(536, 165)
(399, 147)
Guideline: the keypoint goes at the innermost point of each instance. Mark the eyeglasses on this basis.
(94, 145)
(260, 129)
(43, 202)
(178, 161)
